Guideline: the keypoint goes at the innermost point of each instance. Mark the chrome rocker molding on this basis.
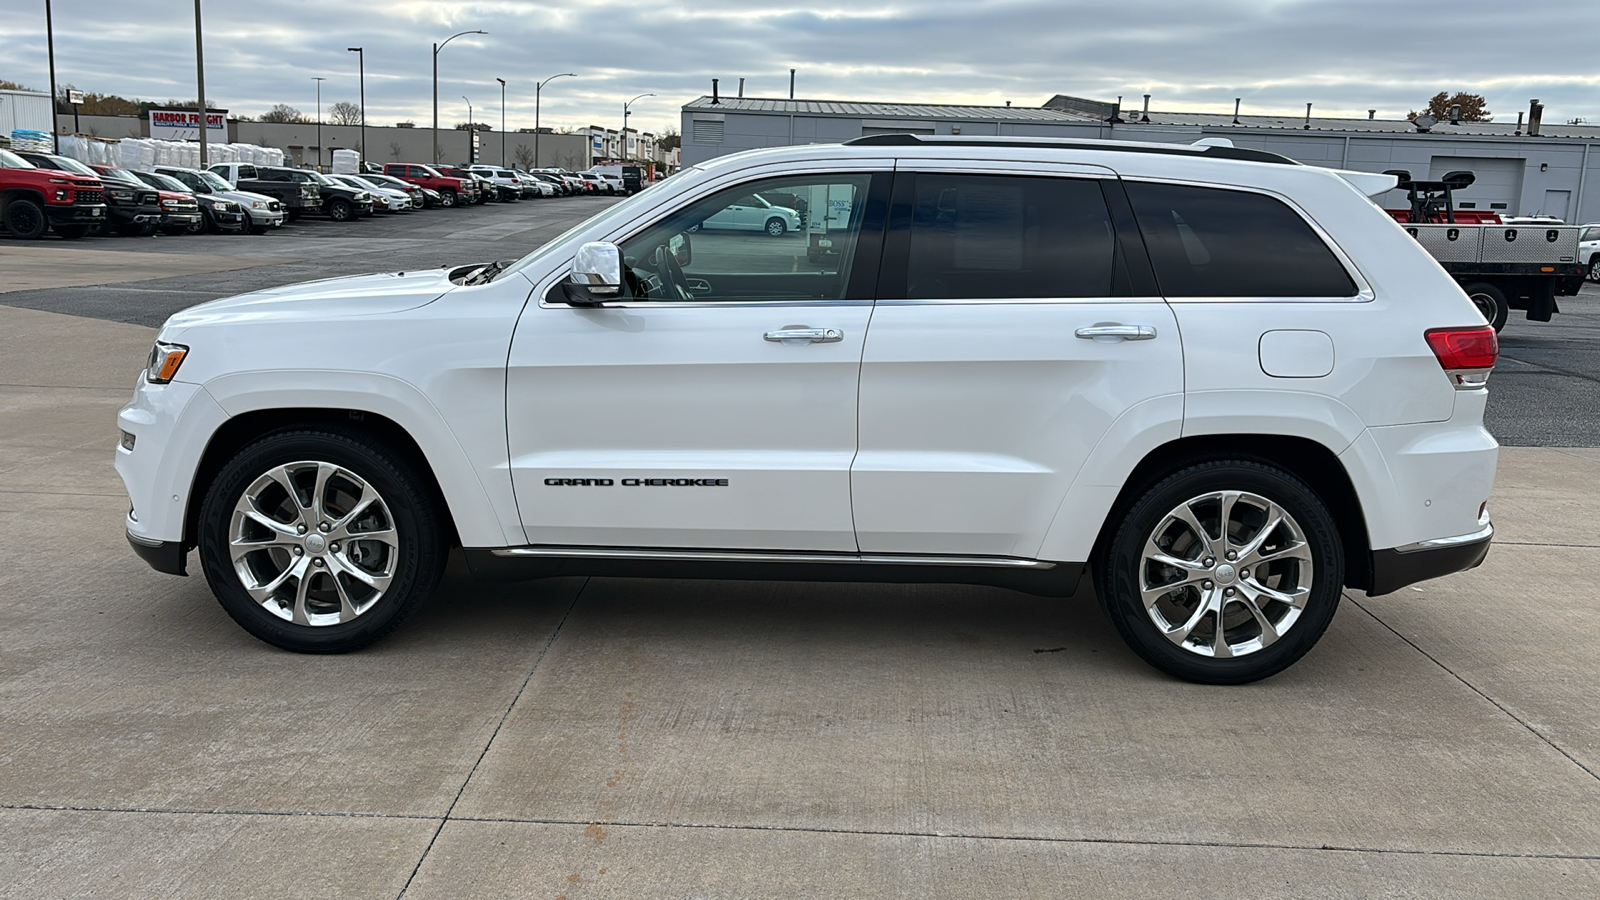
(505, 564)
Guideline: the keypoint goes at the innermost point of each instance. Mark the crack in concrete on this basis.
(1476, 690)
(448, 813)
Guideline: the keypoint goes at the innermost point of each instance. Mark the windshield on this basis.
(123, 174)
(430, 172)
(319, 178)
(213, 182)
(168, 183)
(9, 160)
(609, 216)
(71, 165)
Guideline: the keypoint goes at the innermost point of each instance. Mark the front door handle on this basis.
(1112, 331)
(805, 333)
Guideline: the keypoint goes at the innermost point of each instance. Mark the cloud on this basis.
(1346, 56)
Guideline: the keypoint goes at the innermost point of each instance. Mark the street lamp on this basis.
(361, 58)
(436, 49)
(319, 80)
(200, 76)
(502, 122)
(537, 88)
(471, 132)
(622, 142)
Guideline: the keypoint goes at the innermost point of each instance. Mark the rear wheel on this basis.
(1491, 303)
(321, 541)
(1225, 572)
(25, 219)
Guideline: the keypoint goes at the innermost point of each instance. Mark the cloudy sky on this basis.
(1346, 56)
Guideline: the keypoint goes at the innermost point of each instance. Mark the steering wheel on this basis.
(673, 284)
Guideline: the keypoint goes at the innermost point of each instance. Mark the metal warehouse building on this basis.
(1553, 172)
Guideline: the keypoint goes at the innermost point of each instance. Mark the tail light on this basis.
(1466, 354)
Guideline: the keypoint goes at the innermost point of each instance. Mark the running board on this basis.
(505, 564)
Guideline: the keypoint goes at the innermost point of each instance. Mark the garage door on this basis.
(1499, 184)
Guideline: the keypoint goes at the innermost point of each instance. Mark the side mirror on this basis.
(678, 245)
(596, 275)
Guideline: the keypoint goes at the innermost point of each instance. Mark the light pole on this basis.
(502, 122)
(471, 132)
(319, 80)
(436, 49)
(200, 77)
(50, 47)
(622, 142)
(361, 59)
(537, 88)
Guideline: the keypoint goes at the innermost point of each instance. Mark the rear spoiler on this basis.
(1370, 183)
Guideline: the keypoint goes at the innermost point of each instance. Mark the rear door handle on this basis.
(805, 333)
(1116, 332)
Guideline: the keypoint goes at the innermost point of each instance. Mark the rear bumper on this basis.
(1396, 568)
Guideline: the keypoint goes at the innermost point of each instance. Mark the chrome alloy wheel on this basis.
(313, 543)
(1225, 574)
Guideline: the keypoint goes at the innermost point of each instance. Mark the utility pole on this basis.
(200, 79)
(538, 88)
(50, 46)
(502, 122)
(436, 49)
(472, 132)
(361, 59)
(319, 80)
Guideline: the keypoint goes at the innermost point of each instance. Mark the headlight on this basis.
(257, 204)
(169, 204)
(164, 362)
(120, 195)
(225, 205)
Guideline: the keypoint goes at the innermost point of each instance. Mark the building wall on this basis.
(1555, 172)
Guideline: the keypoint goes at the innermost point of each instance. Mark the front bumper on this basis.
(75, 214)
(184, 217)
(1403, 566)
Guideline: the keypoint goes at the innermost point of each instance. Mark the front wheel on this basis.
(1491, 303)
(776, 228)
(1594, 269)
(340, 210)
(447, 198)
(203, 226)
(25, 219)
(321, 541)
(1225, 572)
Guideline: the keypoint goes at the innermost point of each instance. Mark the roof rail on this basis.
(1207, 151)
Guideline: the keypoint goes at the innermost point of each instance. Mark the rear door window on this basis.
(1009, 237)
(1216, 242)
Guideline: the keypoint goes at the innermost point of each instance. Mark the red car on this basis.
(451, 190)
(33, 200)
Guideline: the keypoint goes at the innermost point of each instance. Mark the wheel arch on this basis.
(20, 193)
(240, 430)
(1310, 461)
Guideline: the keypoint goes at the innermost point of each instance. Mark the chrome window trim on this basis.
(1023, 301)
(1364, 292)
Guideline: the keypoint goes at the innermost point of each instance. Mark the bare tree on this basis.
(670, 139)
(345, 113)
(524, 157)
(283, 112)
(395, 150)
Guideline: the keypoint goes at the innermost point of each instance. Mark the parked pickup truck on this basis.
(296, 197)
(452, 191)
(261, 212)
(1501, 265)
(132, 207)
(338, 202)
(33, 200)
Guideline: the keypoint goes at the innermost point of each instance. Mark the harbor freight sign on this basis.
(184, 125)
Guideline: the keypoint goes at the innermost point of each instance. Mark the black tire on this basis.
(175, 230)
(340, 210)
(206, 225)
(447, 198)
(72, 232)
(1122, 568)
(1594, 268)
(25, 219)
(1491, 303)
(413, 511)
(775, 227)
(291, 215)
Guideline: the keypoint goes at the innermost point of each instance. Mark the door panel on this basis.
(979, 400)
(675, 417)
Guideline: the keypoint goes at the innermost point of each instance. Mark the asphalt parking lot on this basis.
(581, 738)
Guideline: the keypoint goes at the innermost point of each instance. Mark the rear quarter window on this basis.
(1217, 242)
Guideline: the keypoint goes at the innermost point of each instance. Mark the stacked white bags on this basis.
(346, 162)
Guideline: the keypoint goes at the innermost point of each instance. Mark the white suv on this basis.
(1225, 384)
(1589, 250)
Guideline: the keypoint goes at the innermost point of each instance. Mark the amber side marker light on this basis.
(164, 362)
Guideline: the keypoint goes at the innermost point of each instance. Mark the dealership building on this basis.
(1521, 169)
